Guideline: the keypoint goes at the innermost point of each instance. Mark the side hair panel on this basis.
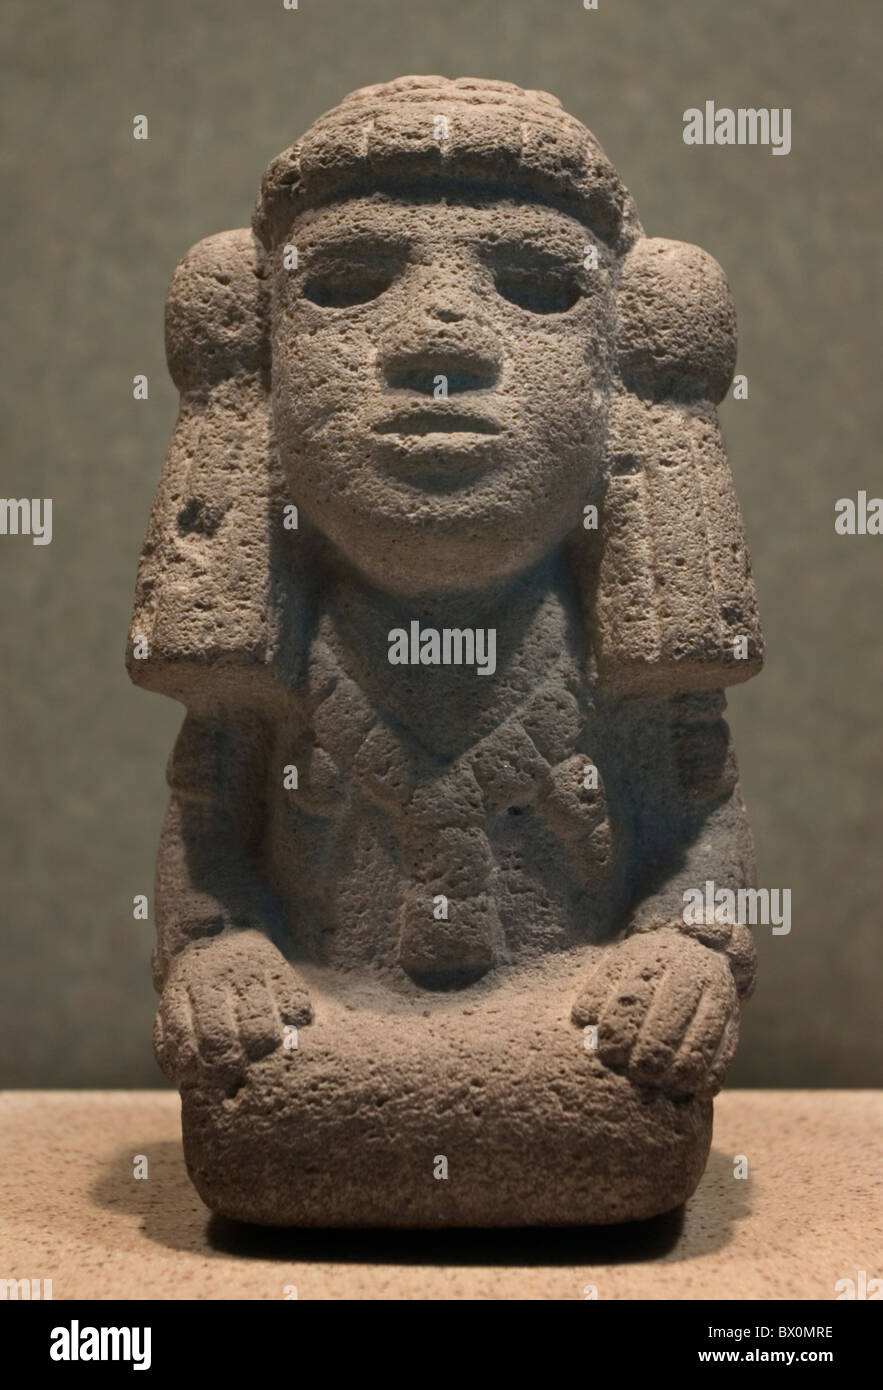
(207, 594)
(671, 601)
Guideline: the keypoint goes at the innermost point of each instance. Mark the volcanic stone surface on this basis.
(447, 567)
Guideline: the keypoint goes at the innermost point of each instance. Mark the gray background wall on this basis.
(93, 223)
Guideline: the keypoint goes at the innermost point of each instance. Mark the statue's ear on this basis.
(211, 592)
(671, 602)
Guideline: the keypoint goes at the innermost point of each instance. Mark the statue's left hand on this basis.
(666, 1009)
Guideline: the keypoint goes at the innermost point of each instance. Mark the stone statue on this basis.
(447, 567)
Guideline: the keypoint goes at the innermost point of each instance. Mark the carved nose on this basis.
(441, 338)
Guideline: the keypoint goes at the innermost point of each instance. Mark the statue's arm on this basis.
(666, 999)
(207, 883)
(692, 827)
(227, 991)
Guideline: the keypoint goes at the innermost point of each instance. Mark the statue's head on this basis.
(446, 340)
(443, 258)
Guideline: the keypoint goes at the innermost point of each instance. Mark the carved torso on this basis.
(443, 820)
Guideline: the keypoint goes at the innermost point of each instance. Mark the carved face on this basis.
(440, 375)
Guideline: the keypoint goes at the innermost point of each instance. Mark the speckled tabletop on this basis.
(808, 1214)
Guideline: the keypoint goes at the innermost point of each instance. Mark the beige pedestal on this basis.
(809, 1213)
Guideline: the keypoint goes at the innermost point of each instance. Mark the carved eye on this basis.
(534, 279)
(339, 286)
(540, 288)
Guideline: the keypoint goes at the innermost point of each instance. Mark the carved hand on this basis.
(226, 1003)
(667, 1011)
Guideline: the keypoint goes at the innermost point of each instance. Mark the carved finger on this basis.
(174, 1040)
(691, 1068)
(216, 1029)
(291, 998)
(725, 1053)
(256, 1018)
(610, 966)
(622, 1016)
(665, 1025)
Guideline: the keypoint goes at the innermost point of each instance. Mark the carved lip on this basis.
(423, 422)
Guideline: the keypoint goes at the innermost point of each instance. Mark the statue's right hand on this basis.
(226, 1003)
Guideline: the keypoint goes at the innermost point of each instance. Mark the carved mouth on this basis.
(423, 422)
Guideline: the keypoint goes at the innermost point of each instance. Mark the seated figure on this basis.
(447, 567)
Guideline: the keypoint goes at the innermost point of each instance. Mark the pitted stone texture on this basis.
(447, 383)
(675, 597)
(419, 129)
(533, 1128)
(677, 324)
